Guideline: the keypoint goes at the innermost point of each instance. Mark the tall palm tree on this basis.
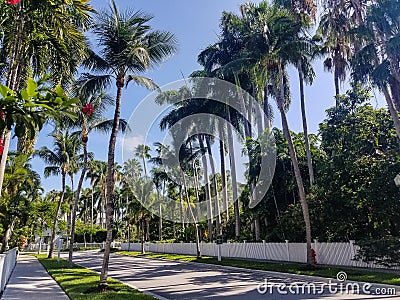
(60, 160)
(333, 28)
(143, 152)
(284, 48)
(97, 172)
(142, 191)
(90, 118)
(305, 72)
(128, 46)
(273, 48)
(378, 59)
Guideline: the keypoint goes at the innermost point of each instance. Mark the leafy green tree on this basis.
(40, 37)
(358, 194)
(21, 186)
(28, 110)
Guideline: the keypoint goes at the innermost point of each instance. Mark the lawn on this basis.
(81, 284)
(293, 268)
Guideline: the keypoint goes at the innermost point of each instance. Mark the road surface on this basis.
(180, 280)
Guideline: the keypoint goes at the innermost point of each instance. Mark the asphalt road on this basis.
(180, 280)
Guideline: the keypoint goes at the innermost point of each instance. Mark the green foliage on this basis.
(384, 251)
(30, 108)
(355, 184)
(21, 188)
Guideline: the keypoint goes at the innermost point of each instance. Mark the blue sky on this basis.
(196, 25)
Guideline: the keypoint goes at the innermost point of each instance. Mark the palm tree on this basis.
(283, 48)
(142, 191)
(90, 110)
(98, 177)
(127, 45)
(142, 152)
(272, 49)
(306, 73)
(60, 160)
(333, 28)
(378, 60)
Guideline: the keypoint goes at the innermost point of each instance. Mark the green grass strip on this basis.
(292, 268)
(81, 284)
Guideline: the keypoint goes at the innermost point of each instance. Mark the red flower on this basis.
(13, 2)
(88, 109)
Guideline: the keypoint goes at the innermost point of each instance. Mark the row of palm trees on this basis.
(256, 48)
(48, 37)
(253, 52)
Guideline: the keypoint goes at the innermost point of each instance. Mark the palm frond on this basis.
(143, 81)
(93, 83)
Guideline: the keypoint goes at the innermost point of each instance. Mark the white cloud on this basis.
(128, 145)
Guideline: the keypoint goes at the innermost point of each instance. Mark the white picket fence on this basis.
(337, 254)
(8, 260)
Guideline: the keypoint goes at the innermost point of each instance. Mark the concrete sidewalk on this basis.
(31, 281)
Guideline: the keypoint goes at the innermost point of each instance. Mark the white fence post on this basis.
(287, 250)
(352, 252)
(265, 249)
(316, 249)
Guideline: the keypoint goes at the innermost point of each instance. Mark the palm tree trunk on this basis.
(233, 175)
(337, 85)
(110, 187)
(267, 113)
(147, 237)
(53, 230)
(159, 214)
(285, 126)
(207, 188)
(144, 167)
(223, 176)
(75, 204)
(3, 163)
(69, 218)
(257, 228)
(12, 82)
(300, 184)
(142, 235)
(215, 185)
(392, 110)
(91, 215)
(395, 89)
(278, 215)
(305, 129)
(181, 207)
